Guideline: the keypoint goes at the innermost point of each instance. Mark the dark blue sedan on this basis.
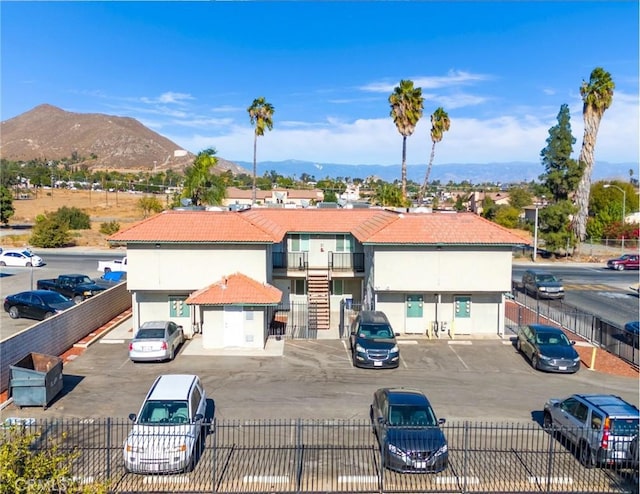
(548, 348)
(36, 304)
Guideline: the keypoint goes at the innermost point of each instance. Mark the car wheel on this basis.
(14, 313)
(585, 456)
(620, 267)
(547, 421)
(535, 362)
(48, 315)
(518, 345)
(2, 263)
(78, 298)
(172, 354)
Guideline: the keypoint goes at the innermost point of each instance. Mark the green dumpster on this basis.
(36, 380)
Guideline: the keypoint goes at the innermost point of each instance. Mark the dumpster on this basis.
(36, 380)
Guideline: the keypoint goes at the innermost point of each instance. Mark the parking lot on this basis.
(466, 379)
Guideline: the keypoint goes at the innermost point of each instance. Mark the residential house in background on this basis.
(228, 274)
(277, 196)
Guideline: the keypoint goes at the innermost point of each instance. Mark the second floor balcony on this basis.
(333, 261)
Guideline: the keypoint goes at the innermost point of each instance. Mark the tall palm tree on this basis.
(406, 109)
(597, 95)
(440, 124)
(201, 185)
(261, 115)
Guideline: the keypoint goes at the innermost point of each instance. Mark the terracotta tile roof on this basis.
(369, 226)
(236, 289)
(236, 193)
(196, 227)
(318, 220)
(444, 228)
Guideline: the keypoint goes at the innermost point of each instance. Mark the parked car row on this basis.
(57, 294)
(169, 430)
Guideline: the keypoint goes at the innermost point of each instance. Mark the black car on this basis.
(408, 431)
(36, 304)
(548, 348)
(373, 342)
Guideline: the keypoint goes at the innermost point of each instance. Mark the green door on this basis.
(414, 305)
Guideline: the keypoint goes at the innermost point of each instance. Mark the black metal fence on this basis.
(602, 333)
(294, 456)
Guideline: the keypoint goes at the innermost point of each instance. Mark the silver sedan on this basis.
(156, 341)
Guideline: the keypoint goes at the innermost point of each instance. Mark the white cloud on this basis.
(453, 78)
(518, 137)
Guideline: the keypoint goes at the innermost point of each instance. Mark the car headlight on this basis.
(542, 288)
(394, 450)
(441, 450)
(544, 357)
(130, 448)
(577, 359)
(394, 349)
(87, 293)
(178, 448)
(359, 348)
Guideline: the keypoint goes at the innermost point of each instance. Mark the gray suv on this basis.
(601, 426)
(542, 284)
(373, 342)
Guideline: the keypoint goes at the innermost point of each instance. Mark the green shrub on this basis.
(109, 228)
(74, 217)
(31, 464)
(49, 232)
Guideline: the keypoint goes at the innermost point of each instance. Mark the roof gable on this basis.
(236, 289)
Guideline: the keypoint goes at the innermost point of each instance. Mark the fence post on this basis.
(465, 446)
(550, 457)
(108, 447)
(213, 427)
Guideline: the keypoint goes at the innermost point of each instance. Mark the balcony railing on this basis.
(290, 260)
(346, 261)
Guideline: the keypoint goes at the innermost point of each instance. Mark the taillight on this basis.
(130, 346)
(604, 444)
(164, 345)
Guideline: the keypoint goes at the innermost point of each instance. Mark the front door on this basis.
(233, 327)
(414, 321)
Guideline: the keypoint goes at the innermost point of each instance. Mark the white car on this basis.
(20, 257)
(169, 431)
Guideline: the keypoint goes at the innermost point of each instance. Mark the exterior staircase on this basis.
(318, 300)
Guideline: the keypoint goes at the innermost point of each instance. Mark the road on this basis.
(594, 289)
(18, 279)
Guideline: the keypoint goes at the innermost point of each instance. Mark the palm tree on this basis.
(440, 124)
(200, 184)
(597, 95)
(260, 114)
(406, 109)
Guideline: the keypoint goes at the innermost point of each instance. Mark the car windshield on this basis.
(405, 415)
(546, 278)
(164, 412)
(624, 427)
(375, 331)
(150, 333)
(53, 297)
(26, 253)
(557, 339)
(83, 279)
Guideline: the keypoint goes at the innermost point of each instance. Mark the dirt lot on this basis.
(100, 206)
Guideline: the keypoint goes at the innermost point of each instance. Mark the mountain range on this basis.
(100, 141)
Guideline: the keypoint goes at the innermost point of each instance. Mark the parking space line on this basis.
(459, 358)
(551, 480)
(347, 350)
(271, 479)
(357, 479)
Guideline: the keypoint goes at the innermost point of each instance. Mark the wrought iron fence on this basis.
(297, 455)
(605, 334)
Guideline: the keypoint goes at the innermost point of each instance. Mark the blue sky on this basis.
(190, 70)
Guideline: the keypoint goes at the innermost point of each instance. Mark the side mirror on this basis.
(132, 417)
(198, 417)
(396, 334)
(573, 342)
(381, 420)
(556, 405)
(441, 421)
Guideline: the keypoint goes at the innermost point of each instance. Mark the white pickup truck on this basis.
(115, 265)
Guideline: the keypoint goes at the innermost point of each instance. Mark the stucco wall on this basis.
(191, 267)
(403, 269)
(252, 334)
